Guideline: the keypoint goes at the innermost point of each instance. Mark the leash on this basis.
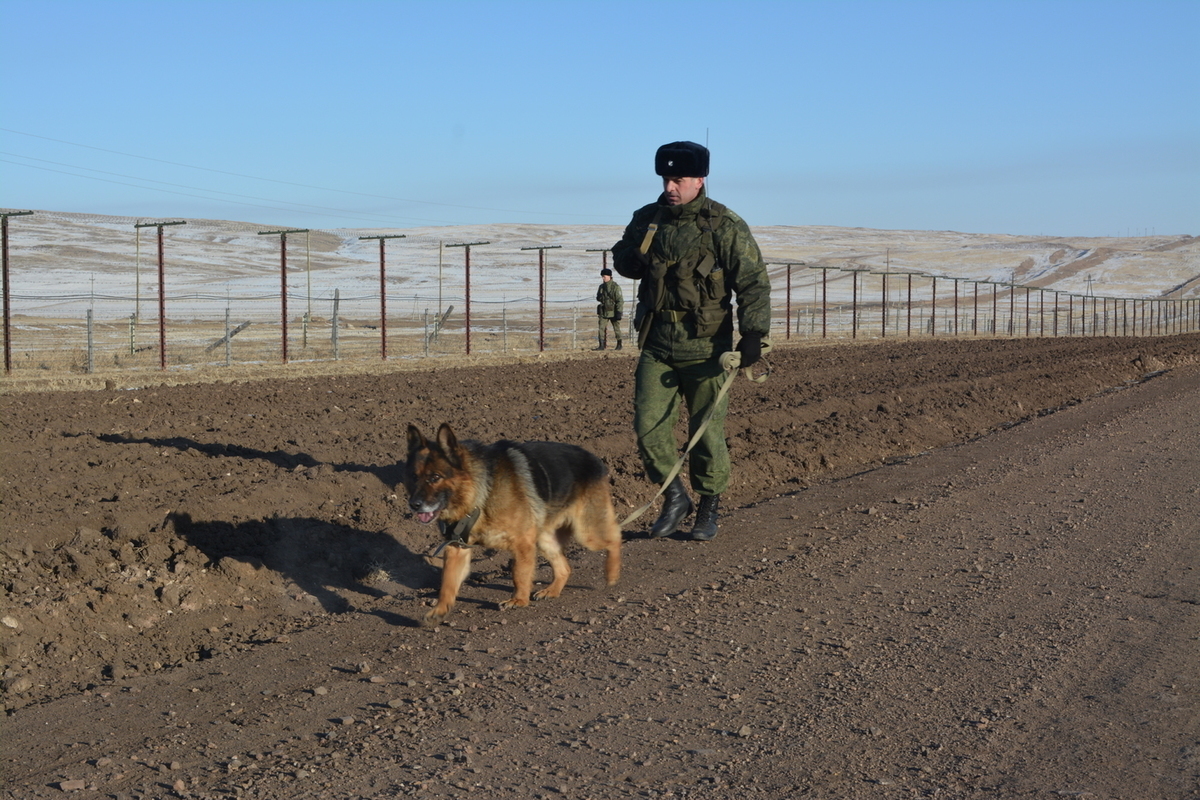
(730, 362)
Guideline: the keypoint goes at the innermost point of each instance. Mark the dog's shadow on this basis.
(326, 559)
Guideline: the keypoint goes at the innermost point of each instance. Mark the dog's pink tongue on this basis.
(426, 516)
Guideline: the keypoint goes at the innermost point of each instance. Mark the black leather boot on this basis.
(706, 518)
(676, 506)
(619, 343)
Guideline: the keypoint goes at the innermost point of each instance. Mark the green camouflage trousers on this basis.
(603, 326)
(658, 390)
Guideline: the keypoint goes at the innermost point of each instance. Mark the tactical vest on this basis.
(691, 288)
(608, 307)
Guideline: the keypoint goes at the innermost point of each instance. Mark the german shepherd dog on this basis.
(523, 497)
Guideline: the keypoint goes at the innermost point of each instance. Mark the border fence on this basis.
(488, 298)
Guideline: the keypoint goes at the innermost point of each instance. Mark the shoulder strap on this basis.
(653, 229)
(711, 214)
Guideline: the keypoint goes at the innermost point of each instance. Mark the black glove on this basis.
(750, 347)
(635, 261)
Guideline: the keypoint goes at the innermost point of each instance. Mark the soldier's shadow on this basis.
(390, 474)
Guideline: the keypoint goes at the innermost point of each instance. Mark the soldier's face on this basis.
(681, 191)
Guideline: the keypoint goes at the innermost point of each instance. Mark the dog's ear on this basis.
(415, 441)
(449, 444)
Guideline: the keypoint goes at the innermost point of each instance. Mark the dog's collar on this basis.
(458, 533)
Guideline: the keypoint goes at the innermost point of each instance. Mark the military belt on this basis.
(673, 315)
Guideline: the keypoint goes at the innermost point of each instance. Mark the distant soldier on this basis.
(609, 309)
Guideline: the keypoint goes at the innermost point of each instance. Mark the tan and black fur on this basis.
(529, 498)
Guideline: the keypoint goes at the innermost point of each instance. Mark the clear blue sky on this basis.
(1063, 118)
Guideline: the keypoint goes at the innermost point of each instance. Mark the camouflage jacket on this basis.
(701, 257)
(610, 300)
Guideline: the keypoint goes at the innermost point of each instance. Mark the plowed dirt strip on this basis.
(1017, 616)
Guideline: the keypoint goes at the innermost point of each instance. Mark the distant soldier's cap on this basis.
(606, 271)
(682, 160)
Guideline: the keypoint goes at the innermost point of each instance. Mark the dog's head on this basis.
(433, 472)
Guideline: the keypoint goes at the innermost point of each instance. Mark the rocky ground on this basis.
(946, 569)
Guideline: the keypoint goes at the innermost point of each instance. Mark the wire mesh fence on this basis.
(856, 304)
(105, 332)
(341, 304)
(203, 330)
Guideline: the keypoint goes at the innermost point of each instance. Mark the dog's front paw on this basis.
(514, 602)
(434, 616)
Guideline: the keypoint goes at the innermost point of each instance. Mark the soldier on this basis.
(692, 256)
(610, 308)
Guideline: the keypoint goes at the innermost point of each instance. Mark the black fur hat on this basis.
(682, 160)
(606, 271)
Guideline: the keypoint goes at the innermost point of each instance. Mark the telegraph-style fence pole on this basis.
(1012, 307)
(933, 307)
(466, 246)
(7, 323)
(854, 303)
(908, 320)
(542, 289)
(956, 280)
(162, 297)
(383, 291)
(883, 307)
(283, 234)
(975, 309)
(787, 308)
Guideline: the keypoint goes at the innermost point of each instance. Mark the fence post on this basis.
(908, 319)
(542, 289)
(854, 304)
(228, 340)
(383, 292)
(824, 301)
(955, 327)
(933, 308)
(883, 309)
(975, 310)
(91, 354)
(283, 234)
(466, 246)
(162, 299)
(7, 324)
(1028, 321)
(1012, 307)
(337, 298)
(787, 306)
